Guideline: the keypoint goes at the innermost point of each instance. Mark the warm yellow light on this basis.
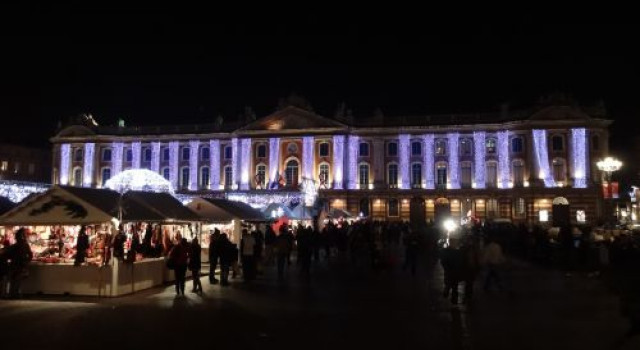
(370, 186)
(526, 184)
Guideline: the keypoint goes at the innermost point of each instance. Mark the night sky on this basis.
(163, 67)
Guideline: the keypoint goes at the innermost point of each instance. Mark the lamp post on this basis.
(608, 166)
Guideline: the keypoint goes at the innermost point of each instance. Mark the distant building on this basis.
(532, 165)
(20, 163)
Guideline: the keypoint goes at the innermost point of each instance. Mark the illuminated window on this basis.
(416, 175)
(491, 176)
(261, 151)
(147, 154)
(324, 149)
(492, 207)
(4, 166)
(393, 209)
(518, 172)
(204, 177)
(77, 176)
(517, 144)
(186, 152)
(291, 172)
(559, 172)
(441, 147)
(323, 174)
(520, 207)
(261, 175)
(557, 143)
(106, 154)
(363, 149)
(392, 149)
(416, 148)
(392, 175)
(205, 154)
(441, 175)
(490, 146)
(364, 174)
(106, 175)
(581, 216)
(543, 215)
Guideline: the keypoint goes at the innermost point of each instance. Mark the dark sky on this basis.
(165, 67)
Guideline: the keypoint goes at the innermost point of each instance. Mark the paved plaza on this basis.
(340, 307)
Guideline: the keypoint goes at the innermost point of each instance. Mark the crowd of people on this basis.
(14, 259)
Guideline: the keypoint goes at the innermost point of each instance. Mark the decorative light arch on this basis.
(139, 180)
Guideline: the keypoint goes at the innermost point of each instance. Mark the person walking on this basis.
(452, 262)
(179, 256)
(227, 253)
(19, 255)
(214, 255)
(81, 246)
(195, 264)
(247, 247)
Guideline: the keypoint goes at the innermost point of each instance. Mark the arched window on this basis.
(77, 176)
(363, 175)
(441, 147)
(147, 154)
(204, 177)
(324, 149)
(517, 144)
(128, 155)
(106, 154)
(557, 143)
(186, 152)
(490, 146)
(261, 150)
(393, 208)
(228, 177)
(466, 147)
(323, 174)
(392, 175)
(184, 177)
(416, 175)
(205, 153)
(77, 155)
(559, 170)
(106, 175)
(491, 175)
(441, 175)
(291, 172)
(518, 172)
(416, 148)
(166, 173)
(465, 174)
(261, 175)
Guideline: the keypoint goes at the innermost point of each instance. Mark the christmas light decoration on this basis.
(136, 150)
(352, 171)
(174, 152)
(117, 150)
(454, 178)
(193, 164)
(155, 156)
(87, 177)
(65, 163)
(338, 161)
(479, 158)
(405, 145)
(504, 170)
(428, 168)
(235, 147)
(542, 157)
(139, 180)
(307, 157)
(16, 191)
(579, 155)
(274, 159)
(214, 146)
(261, 200)
(245, 163)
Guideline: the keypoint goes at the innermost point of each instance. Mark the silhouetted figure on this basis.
(195, 264)
(214, 255)
(81, 246)
(179, 254)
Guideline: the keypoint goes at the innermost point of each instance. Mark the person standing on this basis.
(493, 259)
(195, 265)
(247, 246)
(19, 255)
(452, 261)
(227, 253)
(412, 247)
(471, 266)
(81, 246)
(179, 255)
(214, 255)
(282, 250)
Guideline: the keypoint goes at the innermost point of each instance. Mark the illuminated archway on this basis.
(139, 180)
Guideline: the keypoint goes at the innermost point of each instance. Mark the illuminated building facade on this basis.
(527, 166)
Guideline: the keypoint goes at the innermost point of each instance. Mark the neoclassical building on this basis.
(528, 166)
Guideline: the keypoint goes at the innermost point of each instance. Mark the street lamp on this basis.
(608, 166)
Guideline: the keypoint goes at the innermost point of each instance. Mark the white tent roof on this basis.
(223, 210)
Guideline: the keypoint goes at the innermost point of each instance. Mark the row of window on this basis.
(4, 166)
(491, 207)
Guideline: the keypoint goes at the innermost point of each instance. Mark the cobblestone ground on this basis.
(341, 306)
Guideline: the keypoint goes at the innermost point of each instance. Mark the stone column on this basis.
(89, 161)
(338, 162)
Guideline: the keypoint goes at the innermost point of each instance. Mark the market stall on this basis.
(54, 219)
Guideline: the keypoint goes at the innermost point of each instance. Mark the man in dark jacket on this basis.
(214, 255)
